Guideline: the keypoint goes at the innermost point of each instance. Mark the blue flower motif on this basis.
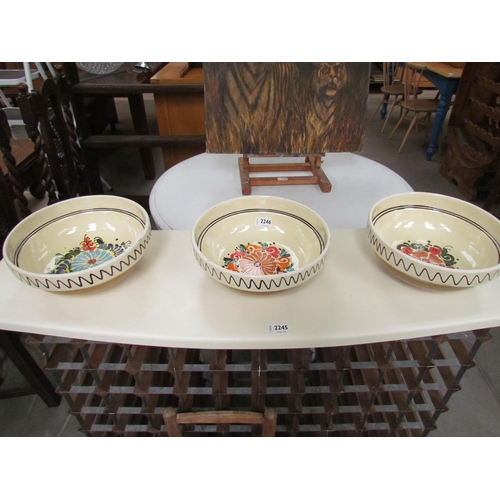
(89, 259)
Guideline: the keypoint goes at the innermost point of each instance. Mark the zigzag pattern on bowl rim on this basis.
(250, 283)
(79, 282)
(389, 255)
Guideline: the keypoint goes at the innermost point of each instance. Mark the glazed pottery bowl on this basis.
(260, 243)
(79, 243)
(435, 239)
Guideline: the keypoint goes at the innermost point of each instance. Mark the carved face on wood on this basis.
(328, 78)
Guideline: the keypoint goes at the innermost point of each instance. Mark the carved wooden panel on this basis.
(285, 108)
(473, 151)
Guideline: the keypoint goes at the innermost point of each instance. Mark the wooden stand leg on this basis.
(311, 164)
(244, 165)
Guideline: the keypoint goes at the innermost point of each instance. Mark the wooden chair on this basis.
(56, 166)
(20, 166)
(412, 103)
(64, 169)
(8, 214)
(392, 87)
(174, 420)
(14, 77)
(43, 115)
(57, 125)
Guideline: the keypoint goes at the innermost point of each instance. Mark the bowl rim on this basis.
(481, 270)
(267, 277)
(12, 265)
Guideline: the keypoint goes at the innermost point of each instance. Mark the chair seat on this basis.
(395, 89)
(421, 105)
(13, 77)
(20, 149)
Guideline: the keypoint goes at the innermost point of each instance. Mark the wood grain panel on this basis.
(287, 108)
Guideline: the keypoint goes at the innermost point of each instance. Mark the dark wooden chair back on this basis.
(8, 214)
(19, 166)
(60, 140)
(174, 420)
(55, 167)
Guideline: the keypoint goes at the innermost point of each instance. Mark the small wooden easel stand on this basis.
(312, 163)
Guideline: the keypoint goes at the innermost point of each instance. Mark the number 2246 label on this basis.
(262, 221)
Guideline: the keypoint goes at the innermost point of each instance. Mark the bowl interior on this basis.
(84, 236)
(446, 233)
(282, 234)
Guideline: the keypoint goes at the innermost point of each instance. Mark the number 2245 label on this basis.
(279, 328)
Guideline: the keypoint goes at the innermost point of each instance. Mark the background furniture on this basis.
(49, 113)
(367, 359)
(492, 200)
(445, 77)
(64, 156)
(20, 166)
(11, 77)
(8, 213)
(473, 152)
(55, 165)
(392, 85)
(180, 195)
(38, 381)
(11, 342)
(83, 86)
(380, 389)
(411, 103)
(180, 114)
(132, 85)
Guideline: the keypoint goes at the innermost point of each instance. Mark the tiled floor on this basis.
(473, 411)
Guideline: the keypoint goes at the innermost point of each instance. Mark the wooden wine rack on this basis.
(384, 389)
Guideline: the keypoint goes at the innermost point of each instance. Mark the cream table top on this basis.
(167, 300)
(188, 189)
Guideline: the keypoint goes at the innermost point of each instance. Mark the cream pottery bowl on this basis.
(260, 243)
(79, 243)
(436, 239)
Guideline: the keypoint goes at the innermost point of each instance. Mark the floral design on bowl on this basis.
(260, 259)
(89, 254)
(46, 251)
(288, 243)
(432, 254)
(435, 239)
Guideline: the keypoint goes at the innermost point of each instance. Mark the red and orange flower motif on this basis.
(432, 254)
(257, 264)
(259, 259)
